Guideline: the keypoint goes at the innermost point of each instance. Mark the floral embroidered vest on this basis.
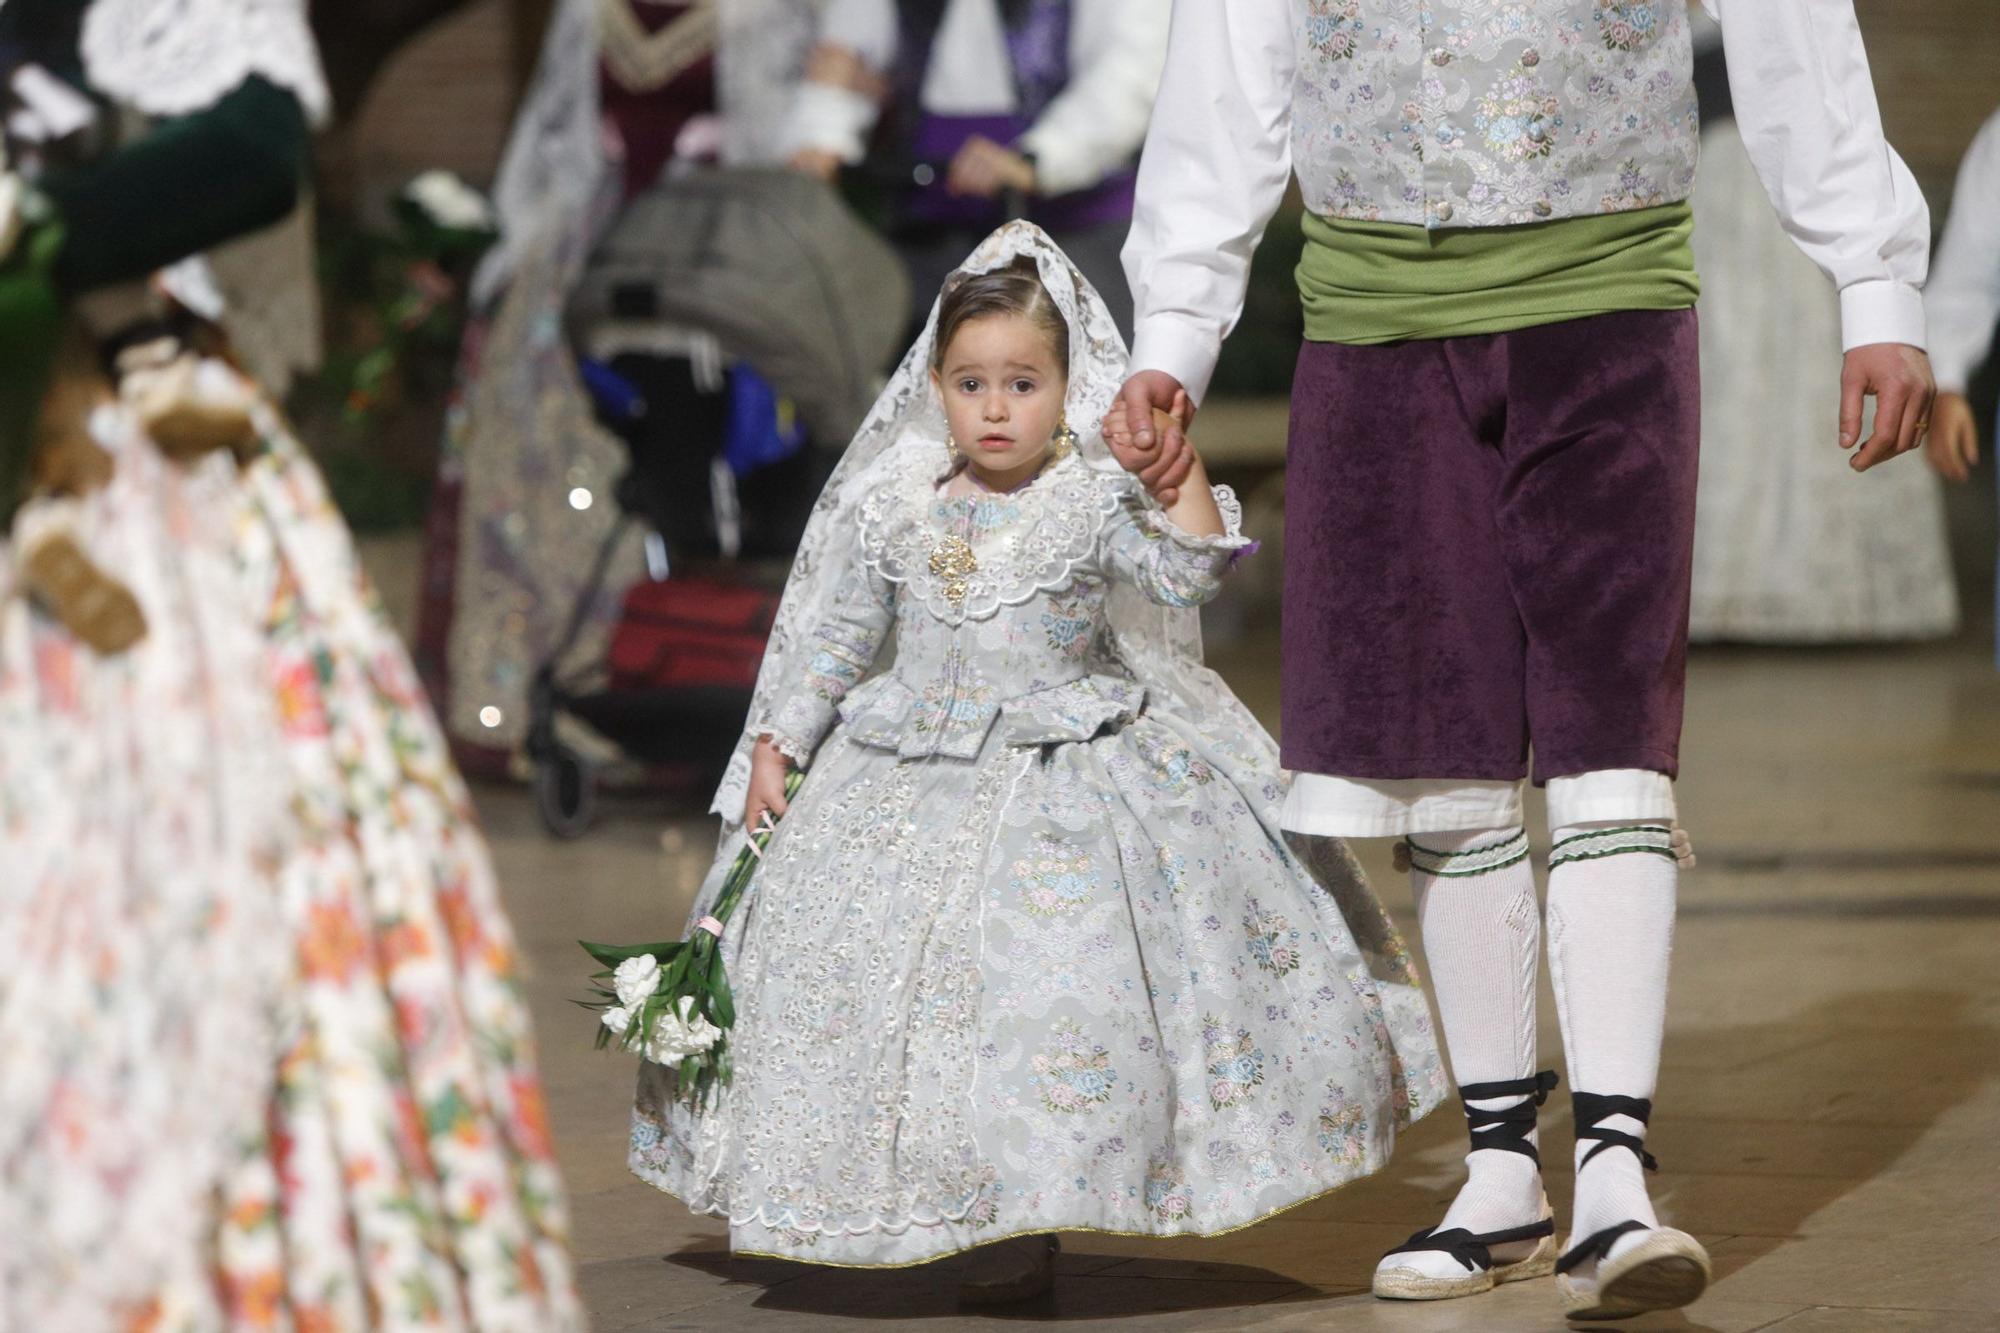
(1485, 113)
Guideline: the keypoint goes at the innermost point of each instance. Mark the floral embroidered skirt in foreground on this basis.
(269, 1066)
(1074, 987)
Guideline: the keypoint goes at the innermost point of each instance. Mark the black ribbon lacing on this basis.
(1591, 1110)
(1507, 1130)
(1596, 1246)
(1474, 1251)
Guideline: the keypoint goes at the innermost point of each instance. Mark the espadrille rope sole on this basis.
(1407, 1284)
(1665, 1271)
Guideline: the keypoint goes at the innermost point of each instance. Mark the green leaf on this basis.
(721, 1002)
(611, 955)
(676, 975)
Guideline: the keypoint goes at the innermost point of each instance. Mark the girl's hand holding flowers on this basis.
(769, 767)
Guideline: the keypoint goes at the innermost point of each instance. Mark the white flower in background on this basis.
(636, 979)
(450, 202)
(619, 1020)
(10, 210)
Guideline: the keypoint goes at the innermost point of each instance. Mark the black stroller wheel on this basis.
(565, 792)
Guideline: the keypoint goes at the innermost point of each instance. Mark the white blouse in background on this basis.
(1093, 127)
(1963, 299)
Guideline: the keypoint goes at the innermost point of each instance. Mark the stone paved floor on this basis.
(1828, 1105)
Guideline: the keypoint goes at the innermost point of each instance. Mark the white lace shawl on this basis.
(1160, 645)
(173, 57)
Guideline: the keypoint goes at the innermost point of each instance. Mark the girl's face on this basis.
(1002, 392)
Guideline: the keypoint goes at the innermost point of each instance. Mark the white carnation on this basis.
(701, 1034)
(636, 979)
(669, 1043)
(450, 202)
(680, 1033)
(619, 1020)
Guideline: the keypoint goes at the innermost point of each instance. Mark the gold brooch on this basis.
(953, 561)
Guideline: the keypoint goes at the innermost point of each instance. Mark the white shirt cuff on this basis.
(1952, 379)
(1059, 169)
(833, 120)
(1171, 344)
(1881, 310)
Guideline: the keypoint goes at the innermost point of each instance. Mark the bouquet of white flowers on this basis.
(670, 1002)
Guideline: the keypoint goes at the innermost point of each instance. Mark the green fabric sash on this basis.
(1378, 282)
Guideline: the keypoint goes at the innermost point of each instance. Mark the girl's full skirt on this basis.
(1078, 986)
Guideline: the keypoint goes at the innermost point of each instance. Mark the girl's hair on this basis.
(1014, 290)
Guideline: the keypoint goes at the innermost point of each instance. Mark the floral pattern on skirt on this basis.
(396, 1171)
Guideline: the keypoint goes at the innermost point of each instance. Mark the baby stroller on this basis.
(729, 322)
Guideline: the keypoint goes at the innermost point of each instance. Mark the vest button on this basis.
(1441, 210)
(1543, 208)
(1530, 59)
(1440, 57)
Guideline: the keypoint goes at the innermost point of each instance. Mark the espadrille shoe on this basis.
(1438, 1264)
(1664, 1269)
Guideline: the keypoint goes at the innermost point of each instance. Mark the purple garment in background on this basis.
(1038, 49)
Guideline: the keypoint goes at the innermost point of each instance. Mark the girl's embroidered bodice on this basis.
(998, 606)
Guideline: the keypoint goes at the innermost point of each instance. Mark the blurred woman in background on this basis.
(1963, 302)
(968, 108)
(1788, 549)
(266, 1059)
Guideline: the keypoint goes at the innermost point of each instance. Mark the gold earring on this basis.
(1063, 443)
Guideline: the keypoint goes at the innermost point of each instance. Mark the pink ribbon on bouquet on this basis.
(765, 825)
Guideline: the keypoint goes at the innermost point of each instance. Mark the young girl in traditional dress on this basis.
(1027, 953)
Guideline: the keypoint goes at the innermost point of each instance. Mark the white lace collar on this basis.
(1051, 528)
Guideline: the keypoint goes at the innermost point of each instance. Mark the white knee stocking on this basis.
(1475, 895)
(1611, 927)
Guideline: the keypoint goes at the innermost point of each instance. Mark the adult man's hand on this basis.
(1899, 378)
(983, 168)
(816, 162)
(1162, 459)
(1953, 446)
